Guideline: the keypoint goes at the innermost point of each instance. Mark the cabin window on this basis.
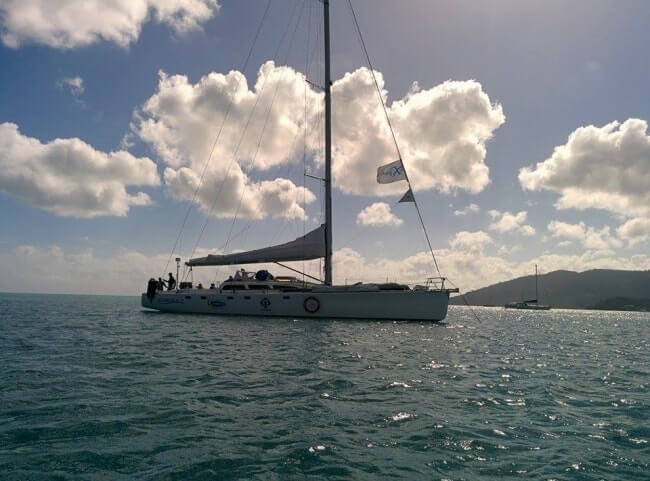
(258, 287)
(203, 297)
(234, 287)
(230, 297)
(188, 297)
(286, 297)
(247, 297)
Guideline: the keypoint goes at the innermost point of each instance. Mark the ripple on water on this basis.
(402, 416)
(109, 392)
(399, 384)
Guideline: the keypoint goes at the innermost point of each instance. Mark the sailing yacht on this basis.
(532, 304)
(262, 294)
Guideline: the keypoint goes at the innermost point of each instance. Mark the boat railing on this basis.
(430, 284)
(438, 284)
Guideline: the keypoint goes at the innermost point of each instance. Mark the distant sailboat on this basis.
(531, 304)
(261, 294)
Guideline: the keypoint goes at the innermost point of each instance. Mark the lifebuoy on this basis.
(311, 305)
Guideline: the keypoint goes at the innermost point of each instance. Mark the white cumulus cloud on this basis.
(54, 269)
(470, 240)
(470, 208)
(442, 131)
(262, 130)
(604, 168)
(238, 195)
(590, 237)
(69, 177)
(181, 120)
(378, 214)
(77, 23)
(509, 222)
(634, 230)
(75, 84)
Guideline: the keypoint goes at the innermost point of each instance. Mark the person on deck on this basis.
(161, 284)
(171, 282)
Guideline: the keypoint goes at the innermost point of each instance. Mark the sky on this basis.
(522, 125)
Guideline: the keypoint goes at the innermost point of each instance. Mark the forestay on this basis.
(310, 246)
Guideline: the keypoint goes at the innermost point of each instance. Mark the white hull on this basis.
(422, 305)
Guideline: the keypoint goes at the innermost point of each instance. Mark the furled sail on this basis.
(309, 246)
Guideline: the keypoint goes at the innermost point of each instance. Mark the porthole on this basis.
(311, 305)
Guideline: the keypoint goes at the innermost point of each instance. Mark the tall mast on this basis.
(328, 147)
(536, 298)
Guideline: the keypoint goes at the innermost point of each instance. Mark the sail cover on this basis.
(309, 246)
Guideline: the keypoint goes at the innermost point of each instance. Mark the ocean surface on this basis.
(93, 388)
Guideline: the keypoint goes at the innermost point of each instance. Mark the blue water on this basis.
(94, 388)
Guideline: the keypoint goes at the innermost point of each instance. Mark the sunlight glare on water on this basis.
(95, 388)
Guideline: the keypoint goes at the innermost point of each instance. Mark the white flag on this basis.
(391, 172)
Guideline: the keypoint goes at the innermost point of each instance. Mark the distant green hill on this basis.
(566, 289)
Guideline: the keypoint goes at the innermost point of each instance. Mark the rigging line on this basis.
(266, 121)
(390, 127)
(299, 272)
(262, 135)
(464, 297)
(317, 54)
(241, 232)
(426, 234)
(223, 121)
(284, 224)
(241, 139)
(316, 59)
(304, 139)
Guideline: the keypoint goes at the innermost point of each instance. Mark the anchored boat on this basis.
(290, 297)
(532, 304)
(261, 294)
